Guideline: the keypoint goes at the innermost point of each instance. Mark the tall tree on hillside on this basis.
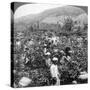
(68, 23)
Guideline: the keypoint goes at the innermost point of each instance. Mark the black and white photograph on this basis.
(49, 44)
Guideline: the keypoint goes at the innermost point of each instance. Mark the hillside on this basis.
(47, 16)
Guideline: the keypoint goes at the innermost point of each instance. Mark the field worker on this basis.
(68, 53)
(54, 70)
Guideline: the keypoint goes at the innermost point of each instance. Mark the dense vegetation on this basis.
(30, 59)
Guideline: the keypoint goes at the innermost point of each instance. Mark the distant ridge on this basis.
(26, 21)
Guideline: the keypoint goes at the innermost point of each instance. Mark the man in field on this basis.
(54, 70)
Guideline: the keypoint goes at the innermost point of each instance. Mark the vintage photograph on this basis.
(49, 44)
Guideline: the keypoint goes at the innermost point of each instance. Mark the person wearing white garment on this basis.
(54, 70)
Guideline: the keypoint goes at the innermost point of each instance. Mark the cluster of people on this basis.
(55, 59)
(46, 52)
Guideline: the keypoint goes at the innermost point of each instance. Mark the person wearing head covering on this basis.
(68, 53)
(54, 70)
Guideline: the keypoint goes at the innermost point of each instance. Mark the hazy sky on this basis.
(33, 9)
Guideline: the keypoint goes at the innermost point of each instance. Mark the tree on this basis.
(68, 23)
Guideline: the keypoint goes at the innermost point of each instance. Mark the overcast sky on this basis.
(33, 9)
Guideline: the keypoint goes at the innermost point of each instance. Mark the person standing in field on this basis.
(54, 70)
